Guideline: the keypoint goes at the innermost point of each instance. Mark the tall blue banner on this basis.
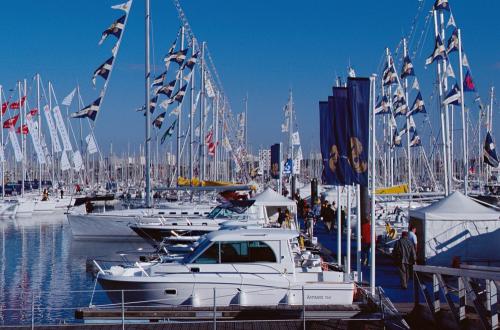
(275, 161)
(358, 95)
(339, 160)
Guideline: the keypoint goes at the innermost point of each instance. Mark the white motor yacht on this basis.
(249, 267)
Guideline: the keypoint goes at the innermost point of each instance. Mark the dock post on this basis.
(33, 311)
(303, 308)
(436, 304)
(123, 310)
(462, 294)
(215, 309)
(492, 303)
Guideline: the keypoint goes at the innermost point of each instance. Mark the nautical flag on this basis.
(167, 89)
(489, 152)
(396, 139)
(453, 96)
(33, 112)
(442, 5)
(152, 103)
(226, 144)
(103, 70)
(438, 53)
(168, 132)
(392, 121)
(24, 130)
(124, 6)
(453, 42)
(211, 148)
(465, 62)
(399, 103)
(449, 73)
(89, 111)
(209, 136)
(407, 69)
(17, 105)
(415, 85)
(187, 77)
(177, 57)
(383, 106)
(5, 106)
(179, 96)
(11, 122)
(158, 81)
(69, 98)
(468, 83)
(159, 120)
(115, 29)
(451, 21)
(91, 144)
(350, 72)
(209, 87)
(415, 140)
(284, 127)
(190, 63)
(418, 105)
(295, 139)
(389, 76)
(176, 111)
(166, 103)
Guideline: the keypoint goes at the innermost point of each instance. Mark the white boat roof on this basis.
(266, 234)
(270, 197)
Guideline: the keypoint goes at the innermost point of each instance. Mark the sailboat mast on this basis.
(464, 126)
(39, 128)
(177, 170)
(23, 146)
(408, 150)
(148, 105)
(3, 151)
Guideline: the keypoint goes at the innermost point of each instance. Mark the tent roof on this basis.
(455, 207)
(270, 197)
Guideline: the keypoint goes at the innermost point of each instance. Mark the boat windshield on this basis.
(203, 243)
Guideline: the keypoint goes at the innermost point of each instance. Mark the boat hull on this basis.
(101, 226)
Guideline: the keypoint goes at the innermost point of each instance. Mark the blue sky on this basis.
(262, 48)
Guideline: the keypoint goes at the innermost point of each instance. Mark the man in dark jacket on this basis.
(405, 256)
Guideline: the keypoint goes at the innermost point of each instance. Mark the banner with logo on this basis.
(33, 131)
(15, 145)
(62, 129)
(52, 129)
(275, 161)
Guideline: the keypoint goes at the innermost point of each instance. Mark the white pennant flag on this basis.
(69, 98)
(15, 145)
(449, 71)
(124, 6)
(209, 87)
(415, 84)
(78, 161)
(33, 131)
(91, 144)
(284, 127)
(62, 129)
(65, 162)
(295, 138)
(451, 21)
(176, 111)
(52, 129)
(465, 62)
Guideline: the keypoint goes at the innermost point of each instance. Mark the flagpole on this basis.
(464, 132)
(148, 106)
(191, 128)
(3, 150)
(177, 170)
(408, 150)
(201, 160)
(373, 177)
(442, 114)
(216, 128)
(39, 128)
(23, 145)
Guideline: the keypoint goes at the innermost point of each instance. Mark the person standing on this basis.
(405, 257)
(366, 241)
(412, 235)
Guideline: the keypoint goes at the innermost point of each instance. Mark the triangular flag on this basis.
(124, 6)
(465, 62)
(451, 21)
(415, 84)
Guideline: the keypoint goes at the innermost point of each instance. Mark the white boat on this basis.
(115, 224)
(249, 267)
(8, 209)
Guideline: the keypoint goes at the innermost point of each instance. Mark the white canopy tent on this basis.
(267, 203)
(456, 226)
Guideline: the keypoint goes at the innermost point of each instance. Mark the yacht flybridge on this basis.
(250, 267)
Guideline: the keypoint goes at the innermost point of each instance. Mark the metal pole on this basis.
(203, 147)
(123, 305)
(148, 106)
(33, 311)
(191, 130)
(339, 229)
(3, 151)
(408, 150)
(23, 145)
(373, 176)
(215, 309)
(464, 127)
(358, 232)
(348, 227)
(39, 128)
(303, 308)
(179, 127)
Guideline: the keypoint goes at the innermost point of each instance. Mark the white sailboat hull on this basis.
(101, 226)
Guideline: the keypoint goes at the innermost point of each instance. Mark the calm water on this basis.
(40, 259)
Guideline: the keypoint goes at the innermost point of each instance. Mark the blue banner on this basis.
(358, 95)
(288, 167)
(275, 161)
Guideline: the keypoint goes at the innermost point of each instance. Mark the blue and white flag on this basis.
(177, 57)
(115, 29)
(399, 103)
(90, 111)
(415, 140)
(103, 70)
(418, 105)
(179, 96)
(288, 167)
(407, 69)
(438, 53)
(158, 122)
(453, 42)
(168, 89)
(396, 139)
(489, 152)
(123, 6)
(442, 5)
(152, 104)
(451, 21)
(454, 96)
(389, 76)
(158, 81)
(383, 106)
(190, 63)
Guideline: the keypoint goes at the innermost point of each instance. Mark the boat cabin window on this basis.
(209, 256)
(242, 252)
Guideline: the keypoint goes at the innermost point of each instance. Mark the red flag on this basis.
(208, 138)
(34, 112)
(211, 148)
(11, 122)
(25, 129)
(17, 105)
(4, 107)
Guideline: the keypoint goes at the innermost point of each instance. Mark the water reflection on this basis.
(39, 258)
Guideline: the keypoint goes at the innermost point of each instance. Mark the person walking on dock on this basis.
(366, 241)
(405, 257)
